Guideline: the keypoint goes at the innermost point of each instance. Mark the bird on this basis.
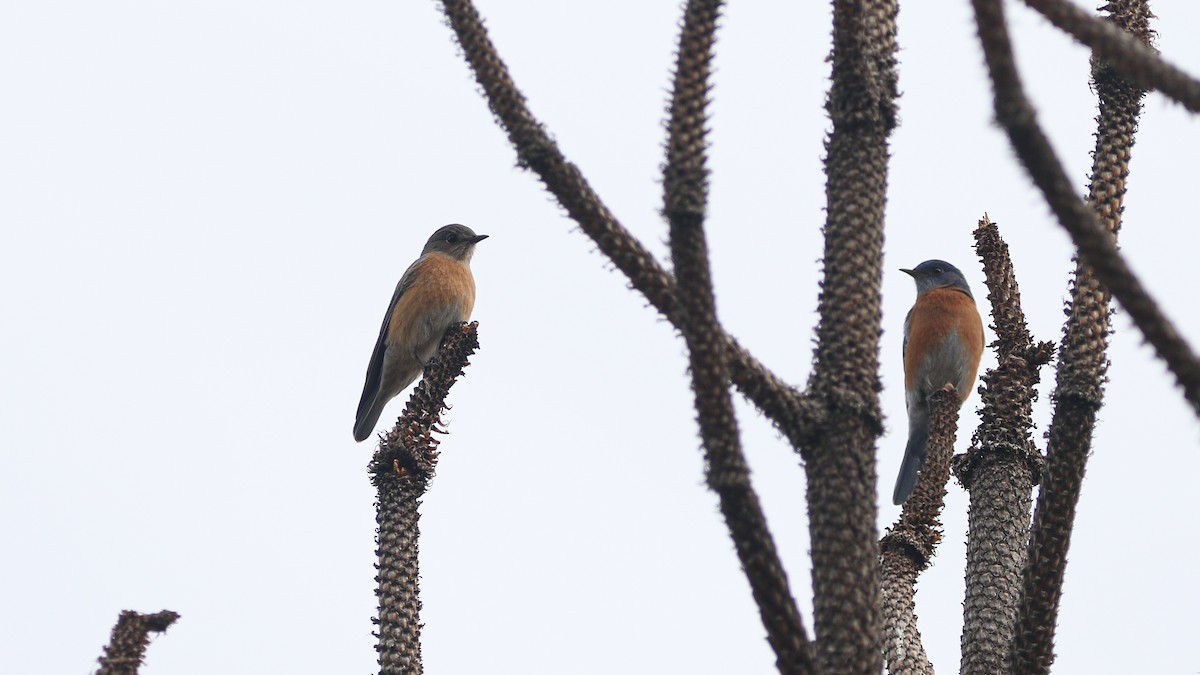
(436, 292)
(943, 341)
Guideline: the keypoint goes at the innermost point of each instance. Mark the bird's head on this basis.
(933, 274)
(454, 241)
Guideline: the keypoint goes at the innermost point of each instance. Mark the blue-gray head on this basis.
(933, 274)
(456, 241)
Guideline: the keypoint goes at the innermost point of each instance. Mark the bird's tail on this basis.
(914, 459)
(369, 411)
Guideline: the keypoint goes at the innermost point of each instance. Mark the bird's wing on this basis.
(907, 325)
(375, 368)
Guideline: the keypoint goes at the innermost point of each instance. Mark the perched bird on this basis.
(436, 292)
(943, 340)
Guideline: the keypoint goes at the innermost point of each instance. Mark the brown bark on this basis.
(130, 637)
(1001, 467)
(536, 150)
(685, 184)
(1083, 360)
(907, 548)
(1096, 245)
(840, 455)
(401, 469)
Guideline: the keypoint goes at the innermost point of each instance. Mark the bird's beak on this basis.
(908, 272)
(478, 238)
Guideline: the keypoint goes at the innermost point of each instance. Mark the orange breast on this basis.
(442, 293)
(935, 315)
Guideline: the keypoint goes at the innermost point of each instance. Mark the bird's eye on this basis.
(938, 270)
(452, 238)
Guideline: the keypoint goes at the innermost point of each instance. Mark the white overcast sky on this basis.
(205, 207)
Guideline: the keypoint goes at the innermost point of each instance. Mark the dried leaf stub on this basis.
(130, 637)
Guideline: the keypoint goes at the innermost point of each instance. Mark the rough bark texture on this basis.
(1097, 246)
(1132, 56)
(791, 412)
(908, 547)
(998, 523)
(1083, 361)
(903, 652)
(130, 637)
(1000, 468)
(398, 578)
(401, 470)
(685, 183)
(840, 455)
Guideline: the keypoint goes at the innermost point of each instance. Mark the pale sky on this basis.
(206, 206)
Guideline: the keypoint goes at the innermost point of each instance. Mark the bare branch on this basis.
(918, 530)
(1096, 245)
(685, 198)
(1083, 360)
(410, 449)
(1000, 468)
(401, 470)
(130, 637)
(1006, 418)
(398, 577)
(908, 546)
(538, 152)
(999, 511)
(1128, 51)
(840, 459)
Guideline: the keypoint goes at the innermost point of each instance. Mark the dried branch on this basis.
(1097, 247)
(1083, 360)
(999, 511)
(918, 530)
(840, 458)
(685, 183)
(1006, 418)
(536, 150)
(1001, 467)
(409, 450)
(130, 637)
(908, 546)
(398, 587)
(903, 651)
(1004, 454)
(1130, 55)
(401, 470)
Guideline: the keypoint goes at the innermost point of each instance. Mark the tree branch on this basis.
(536, 150)
(401, 469)
(840, 458)
(1083, 360)
(685, 183)
(1095, 244)
(908, 546)
(1001, 467)
(130, 637)
(1129, 54)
